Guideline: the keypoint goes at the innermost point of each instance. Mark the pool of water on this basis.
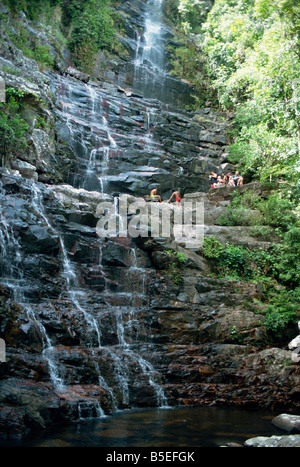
(175, 427)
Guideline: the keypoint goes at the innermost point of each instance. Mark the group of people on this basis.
(216, 181)
(176, 194)
(225, 179)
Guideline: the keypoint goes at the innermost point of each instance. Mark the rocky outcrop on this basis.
(93, 324)
(84, 77)
(142, 142)
(150, 79)
(44, 158)
(136, 144)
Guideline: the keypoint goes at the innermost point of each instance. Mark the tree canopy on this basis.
(251, 51)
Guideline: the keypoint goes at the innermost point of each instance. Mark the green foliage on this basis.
(171, 11)
(175, 273)
(36, 10)
(281, 311)
(254, 66)
(263, 232)
(250, 209)
(234, 333)
(31, 47)
(234, 260)
(86, 26)
(188, 61)
(42, 55)
(92, 29)
(276, 270)
(193, 13)
(244, 56)
(230, 260)
(188, 15)
(181, 257)
(12, 127)
(240, 216)
(174, 268)
(235, 337)
(212, 248)
(277, 212)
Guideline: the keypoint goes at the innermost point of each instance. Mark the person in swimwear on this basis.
(153, 194)
(177, 197)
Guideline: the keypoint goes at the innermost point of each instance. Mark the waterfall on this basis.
(93, 129)
(149, 62)
(69, 271)
(121, 369)
(13, 277)
(76, 294)
(106, 154)
(146, 367)
(55, 377)
(90, 410)
(82, 111)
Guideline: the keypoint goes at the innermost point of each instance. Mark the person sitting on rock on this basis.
(220, 182)
(154, 195)
(177, 197)
(238, 179)
(213, 177)
(231, 181)
(227, 178)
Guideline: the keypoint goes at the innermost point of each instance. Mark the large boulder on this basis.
(287, 422)
(74, 73)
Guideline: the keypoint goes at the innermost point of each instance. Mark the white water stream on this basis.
(149, 62)
(83, 111)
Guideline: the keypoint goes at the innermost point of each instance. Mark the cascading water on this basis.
(121, 355)
(96, 145)
(69, 271)
(148, 74)
(149, 62)
(86, 410)
(94, 124)
(86, 130)
(13, 278)
(124, 332)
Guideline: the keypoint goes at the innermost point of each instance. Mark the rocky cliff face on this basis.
(95, 324)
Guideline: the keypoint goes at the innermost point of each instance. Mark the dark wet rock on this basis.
(33, 406)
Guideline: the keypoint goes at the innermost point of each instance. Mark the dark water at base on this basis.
(180, 427)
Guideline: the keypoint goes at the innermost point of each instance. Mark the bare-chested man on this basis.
(153, 194)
